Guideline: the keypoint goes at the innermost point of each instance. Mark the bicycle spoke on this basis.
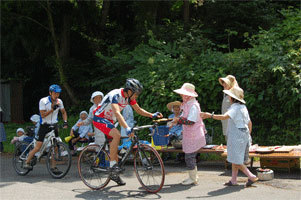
(89, 167)
(150, 176)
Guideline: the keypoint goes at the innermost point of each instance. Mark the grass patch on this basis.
(10, 130)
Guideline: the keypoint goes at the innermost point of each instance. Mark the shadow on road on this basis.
(220, 192)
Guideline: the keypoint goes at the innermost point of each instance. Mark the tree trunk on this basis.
(59, 64)
(186, 12)
(104, 14)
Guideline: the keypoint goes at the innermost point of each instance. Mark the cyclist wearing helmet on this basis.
(49, 107)
(109, 110)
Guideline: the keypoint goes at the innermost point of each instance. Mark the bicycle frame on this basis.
(50, 137)
(135, 141)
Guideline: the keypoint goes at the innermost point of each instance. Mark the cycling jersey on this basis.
(104, 117)
(45, 104)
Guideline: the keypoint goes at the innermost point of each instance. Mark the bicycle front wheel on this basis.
(58, 160)
(149, 168)
(20, 156)
(93, 167)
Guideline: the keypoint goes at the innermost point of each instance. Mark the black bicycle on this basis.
(94, 163)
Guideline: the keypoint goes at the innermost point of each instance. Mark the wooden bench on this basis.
(275, 160)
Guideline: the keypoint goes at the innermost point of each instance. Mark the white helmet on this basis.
(35, 118)
(97, 93)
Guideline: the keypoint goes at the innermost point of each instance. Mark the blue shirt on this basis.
(83, 130)
(36, 129)
(128, 116)
(175, 130)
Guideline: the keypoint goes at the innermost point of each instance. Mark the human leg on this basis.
(190, 159)
(233, 180)
(32, 153)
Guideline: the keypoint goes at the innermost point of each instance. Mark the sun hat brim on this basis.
(172, 104)
(228, 92)
(227, 81)
(184, 92)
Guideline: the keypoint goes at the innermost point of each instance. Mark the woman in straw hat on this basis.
(175, 108)
(193, 130)
(228, 82)
(176, 131)
(239, 128)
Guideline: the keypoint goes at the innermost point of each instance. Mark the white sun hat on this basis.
(97, 93)
(35, 118)
(187, 89)
(20, 129)
(236, 93)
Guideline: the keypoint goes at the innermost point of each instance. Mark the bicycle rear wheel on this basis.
(58, 160)
(149, 168)
(18, 160)
(93, 167)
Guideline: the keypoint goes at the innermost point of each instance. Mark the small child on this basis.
(80, 134)
(20, 136)
(193, 130)
(35, 119)
(238, 132)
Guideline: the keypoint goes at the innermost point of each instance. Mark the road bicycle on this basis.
(56, 152)
(94, 163)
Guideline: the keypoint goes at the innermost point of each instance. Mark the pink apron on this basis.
(193, 135)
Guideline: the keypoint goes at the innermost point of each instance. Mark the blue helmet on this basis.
(55, 88)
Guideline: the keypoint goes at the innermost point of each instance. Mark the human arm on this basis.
(250, 126)
(144, 113)
(64, 114)
(206, 115)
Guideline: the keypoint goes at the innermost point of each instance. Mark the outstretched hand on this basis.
(157, 115)
(205, 115)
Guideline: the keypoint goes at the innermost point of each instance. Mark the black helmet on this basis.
(134, 85)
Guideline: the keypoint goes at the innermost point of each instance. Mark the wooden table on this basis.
(174, 150)
(288, 157)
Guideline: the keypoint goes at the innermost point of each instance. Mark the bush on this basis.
(269, 73)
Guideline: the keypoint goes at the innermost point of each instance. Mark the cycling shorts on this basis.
(46, 128)
(104, 125)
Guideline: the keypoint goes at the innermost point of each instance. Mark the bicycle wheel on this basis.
(58, 160)
(19, 158)
(149, 168)
(93, 167)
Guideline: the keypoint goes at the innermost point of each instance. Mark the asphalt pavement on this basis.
(38, 184)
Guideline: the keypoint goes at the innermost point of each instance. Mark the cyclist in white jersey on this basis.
(49, 107)
(109, 110)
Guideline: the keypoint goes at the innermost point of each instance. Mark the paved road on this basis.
(39, 185)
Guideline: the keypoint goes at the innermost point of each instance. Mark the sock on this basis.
(247, 172)
(112, 163)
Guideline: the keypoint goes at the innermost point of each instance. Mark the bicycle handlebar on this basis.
(163, 120)
(143, 127)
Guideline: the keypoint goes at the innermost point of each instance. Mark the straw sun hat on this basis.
(230, 80)
(172, 104)
(187, 89)
(236, 93)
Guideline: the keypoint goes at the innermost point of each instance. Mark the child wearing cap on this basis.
(35, 119)
(20, 136)
(80, 134)
(193, 130)
(238, 131)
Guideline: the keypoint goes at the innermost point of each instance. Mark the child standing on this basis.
(193, 130)
(238, 131)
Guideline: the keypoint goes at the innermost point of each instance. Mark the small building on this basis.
(11, 100)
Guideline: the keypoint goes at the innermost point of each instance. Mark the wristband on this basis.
(65, 123)
(155, 114)
(212, 115)
(128, 130)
